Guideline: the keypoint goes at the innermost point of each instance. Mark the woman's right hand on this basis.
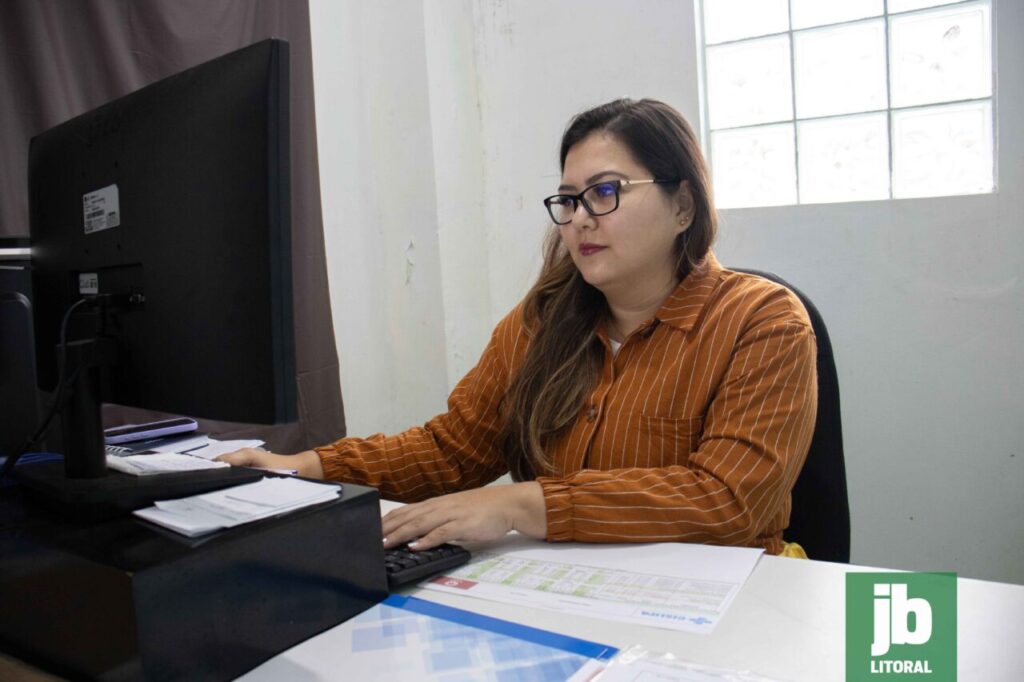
(306, 463)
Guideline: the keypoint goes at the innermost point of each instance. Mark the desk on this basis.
(788, 621)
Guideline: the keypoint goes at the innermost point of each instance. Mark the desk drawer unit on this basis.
(124, 600)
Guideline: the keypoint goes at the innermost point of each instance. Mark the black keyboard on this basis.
(405, 566)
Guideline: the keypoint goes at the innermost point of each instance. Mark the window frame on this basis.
(795, 119)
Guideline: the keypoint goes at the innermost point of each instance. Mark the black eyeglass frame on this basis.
(579, 200)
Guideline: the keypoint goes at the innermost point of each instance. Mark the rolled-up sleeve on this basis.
(456, 450)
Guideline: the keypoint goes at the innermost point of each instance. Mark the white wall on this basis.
(459, 181)
(377, 176)
(439, 122)
(539, 63)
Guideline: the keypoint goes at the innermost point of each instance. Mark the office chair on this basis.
(820, 520)
(18, 396)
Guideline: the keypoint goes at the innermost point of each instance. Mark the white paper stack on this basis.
(231, 507)
(160, 463)
(216, 448)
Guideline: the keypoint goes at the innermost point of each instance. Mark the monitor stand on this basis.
(82, 483)
(122, 599)
(117, 492)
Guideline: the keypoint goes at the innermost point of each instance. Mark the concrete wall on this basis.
(439, 123)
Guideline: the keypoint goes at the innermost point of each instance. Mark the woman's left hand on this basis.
(470, 516)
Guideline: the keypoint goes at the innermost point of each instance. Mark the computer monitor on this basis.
(168, 212)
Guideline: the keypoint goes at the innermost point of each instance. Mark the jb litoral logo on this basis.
(900, 626)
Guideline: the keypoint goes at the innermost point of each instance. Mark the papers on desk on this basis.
(404, 638)
(160, 463)
(216, 448)
(164, 455)
(231, 507)
(636, 663)
(677, 586)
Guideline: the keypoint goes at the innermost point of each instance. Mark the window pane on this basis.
(817, 12)
(941, 56)
(754, 166)
(749, 82)
(942, 150)
(735, 19)
(844, 159)
(905, 5)
(840, 70)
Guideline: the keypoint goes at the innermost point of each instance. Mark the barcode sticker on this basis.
(101, 209)
(88, 283)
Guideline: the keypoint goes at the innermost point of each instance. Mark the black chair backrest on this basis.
(820, 520)
(17, 373)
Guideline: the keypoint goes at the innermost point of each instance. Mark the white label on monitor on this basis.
(88, 283)
(102, 209)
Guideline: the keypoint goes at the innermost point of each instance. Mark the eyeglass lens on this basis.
(597, 200)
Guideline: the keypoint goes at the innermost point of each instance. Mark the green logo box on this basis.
(900, 626)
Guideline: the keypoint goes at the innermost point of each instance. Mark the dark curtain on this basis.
(65, 57)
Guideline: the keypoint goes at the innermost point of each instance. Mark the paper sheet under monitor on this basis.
(677, 586)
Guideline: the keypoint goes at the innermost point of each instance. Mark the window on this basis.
(812, 101)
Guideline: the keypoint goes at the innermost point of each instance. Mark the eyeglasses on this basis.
(599, 199)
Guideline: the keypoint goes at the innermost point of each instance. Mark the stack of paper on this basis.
(231, 507)
(163, 455)
(216, 448)
(197, 445)
(160, 463)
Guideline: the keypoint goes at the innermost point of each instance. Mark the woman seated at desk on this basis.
(639, 393)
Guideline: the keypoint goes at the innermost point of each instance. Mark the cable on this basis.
(58, 397)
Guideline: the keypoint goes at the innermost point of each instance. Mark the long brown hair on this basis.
(561, 312)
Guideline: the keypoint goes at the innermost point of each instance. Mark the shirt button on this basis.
(591, 413)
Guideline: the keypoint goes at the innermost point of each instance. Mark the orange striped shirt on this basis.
(695, 432)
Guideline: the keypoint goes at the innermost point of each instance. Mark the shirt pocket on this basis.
(670, 440)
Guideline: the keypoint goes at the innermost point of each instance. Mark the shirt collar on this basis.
(683, 307)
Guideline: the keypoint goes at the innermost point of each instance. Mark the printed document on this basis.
(677, 586)
(637, 663)
(231, 507)
(216, 448)
(159, 463)
(404, 638)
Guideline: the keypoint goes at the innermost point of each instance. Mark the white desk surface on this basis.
(788, 622)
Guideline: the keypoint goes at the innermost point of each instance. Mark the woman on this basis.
(639, 393)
